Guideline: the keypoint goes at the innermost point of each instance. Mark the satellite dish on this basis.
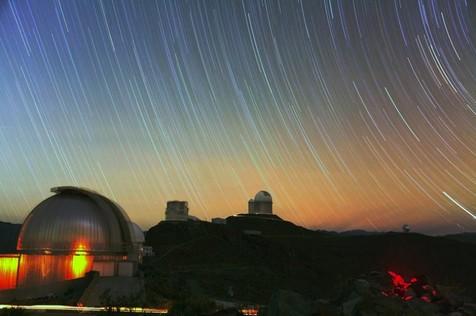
(406, 228)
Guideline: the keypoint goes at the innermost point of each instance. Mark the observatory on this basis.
(261, 204)
(259, 219)
(176, 211)
(69, 234)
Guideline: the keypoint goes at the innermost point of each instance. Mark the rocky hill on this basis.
(248, 258)
(464, 237)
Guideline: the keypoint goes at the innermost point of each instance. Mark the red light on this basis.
(398, 280)
(406, 290)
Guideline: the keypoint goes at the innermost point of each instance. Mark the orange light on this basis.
(249, 311)
(8, 272)
(80, 247)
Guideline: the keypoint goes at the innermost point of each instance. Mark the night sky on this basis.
(352, 114)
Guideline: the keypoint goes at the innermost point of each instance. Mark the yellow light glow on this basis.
(8, 272)
(80, 261)
(67, 308)
(79, 265)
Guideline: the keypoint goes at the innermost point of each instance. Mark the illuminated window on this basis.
(8, 272)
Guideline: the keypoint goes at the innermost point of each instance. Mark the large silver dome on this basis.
(77, 219)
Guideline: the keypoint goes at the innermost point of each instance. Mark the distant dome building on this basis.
(73, 232)
(259, 219)
(177, 211)
(261, 204)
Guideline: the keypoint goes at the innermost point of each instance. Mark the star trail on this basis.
(353, 114)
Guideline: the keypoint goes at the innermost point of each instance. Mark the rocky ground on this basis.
(295, 271)
(377, 294)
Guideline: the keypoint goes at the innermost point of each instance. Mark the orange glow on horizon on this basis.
(8, 272)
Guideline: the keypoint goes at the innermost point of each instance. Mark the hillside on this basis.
(464, 237)
(221, 261)
(8, 237)
(224, 262)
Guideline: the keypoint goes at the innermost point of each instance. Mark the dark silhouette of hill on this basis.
(222, 261)
(464, 237)
(8, 237)
(359, 232)
(250, 257)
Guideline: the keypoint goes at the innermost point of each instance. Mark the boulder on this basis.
(323, 307)
(468, 309)
(287, 303)
(362, 287)
(348, 308)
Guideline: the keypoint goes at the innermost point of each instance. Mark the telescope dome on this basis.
(77, 219)
(263, 196)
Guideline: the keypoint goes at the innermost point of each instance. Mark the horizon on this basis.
(317, 229)
(323, 229)
(349, 126)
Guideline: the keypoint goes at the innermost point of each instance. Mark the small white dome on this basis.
(263, 196)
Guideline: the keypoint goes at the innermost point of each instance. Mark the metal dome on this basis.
(263, 196)
(137, 233)
(77, 219)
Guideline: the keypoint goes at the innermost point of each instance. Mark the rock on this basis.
(322, 307)
(468, 309)
(379, 280)
(287, 303)
(227, 312)
(348, 308)
(420, 308)
(452, 295)
(362, 287)
(379, 305)
(375, 294)
(410, 293)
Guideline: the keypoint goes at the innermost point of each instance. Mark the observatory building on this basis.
(69, 234)
(176, 211)
(261, 204)
(259, 219)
